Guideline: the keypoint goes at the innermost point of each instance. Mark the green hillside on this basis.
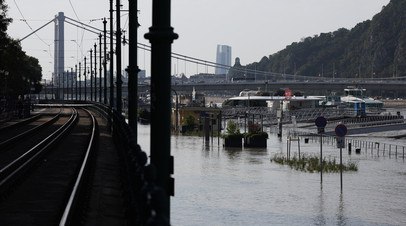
(373, 48)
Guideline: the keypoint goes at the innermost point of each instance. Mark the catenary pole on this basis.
(161, 36)
(100, 68)
(76, 81)
(95, 72)
(84, 75)
(111, 57)
(118, 58)
(80, 81)
(91, 75)
(133, 69)
(105, 61)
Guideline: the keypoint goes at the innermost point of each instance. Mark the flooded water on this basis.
(217, 186)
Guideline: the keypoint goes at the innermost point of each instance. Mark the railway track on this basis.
(44, 180)
(13, 133)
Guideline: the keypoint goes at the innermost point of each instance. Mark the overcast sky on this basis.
(253, 29)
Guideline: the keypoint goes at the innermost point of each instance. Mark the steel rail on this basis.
(22, 163)
(80, 180)
(20, 123)
(20, 136)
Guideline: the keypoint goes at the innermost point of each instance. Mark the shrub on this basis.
(311, 163)
(232, 130)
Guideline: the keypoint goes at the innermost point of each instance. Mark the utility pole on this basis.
(105, 61)
(67, 84)
(161, 36)
(71, 80)
(80, 79)
(118, 58)
(95, 73)
(111, 57)
(59, 86)
(100, 68)
(133, 69)
(91, 76)
(63, 84)
(84, 74)
(76, 80)
(52, 88)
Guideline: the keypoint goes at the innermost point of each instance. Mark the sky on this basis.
(253, 29)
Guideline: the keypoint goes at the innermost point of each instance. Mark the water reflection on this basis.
(320, 218)
(341, 219)
(233, 153)
(218, 186)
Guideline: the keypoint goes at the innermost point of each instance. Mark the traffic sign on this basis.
(321, 122)
(341, 130)
(340, 142)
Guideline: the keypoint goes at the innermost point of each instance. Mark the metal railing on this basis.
(300, 115)
(144, 203)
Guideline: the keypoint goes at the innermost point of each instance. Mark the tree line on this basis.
(18, 72)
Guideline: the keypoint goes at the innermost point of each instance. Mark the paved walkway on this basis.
(107, 201)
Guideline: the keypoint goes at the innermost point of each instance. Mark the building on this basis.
(223, 57)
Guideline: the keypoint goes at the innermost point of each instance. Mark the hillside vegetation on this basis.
(373, 48)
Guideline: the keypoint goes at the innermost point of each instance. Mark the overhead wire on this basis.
(25, 20)
(77, 17)
(177, 56)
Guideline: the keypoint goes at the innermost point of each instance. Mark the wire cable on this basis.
(77, 17)
(18, 8)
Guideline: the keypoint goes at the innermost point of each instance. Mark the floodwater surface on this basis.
(218, 186)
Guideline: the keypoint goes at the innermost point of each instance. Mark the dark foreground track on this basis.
(77, 180)
(40, 195)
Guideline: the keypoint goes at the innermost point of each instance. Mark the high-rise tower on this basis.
(223, 57)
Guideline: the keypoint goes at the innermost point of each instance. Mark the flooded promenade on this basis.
(218, 186)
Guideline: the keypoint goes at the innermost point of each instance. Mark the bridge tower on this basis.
(59, 49)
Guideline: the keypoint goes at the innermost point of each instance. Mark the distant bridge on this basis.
(391, 89)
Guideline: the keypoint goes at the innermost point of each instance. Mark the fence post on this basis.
(396, 152)
(390, 147)
(384, 149)
(378, 150)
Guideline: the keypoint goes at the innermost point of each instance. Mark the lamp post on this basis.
(133, 69)
(59, 86)
(71, 83)
(63, 85)
(80, 81)
(118, 58)
(105, 61)
(91, 76)
(45, 90)
(67, 84)
(84, 75)
(111, 57)
(100, 67)
(95, 72)
(161, 36)
(76, 80)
